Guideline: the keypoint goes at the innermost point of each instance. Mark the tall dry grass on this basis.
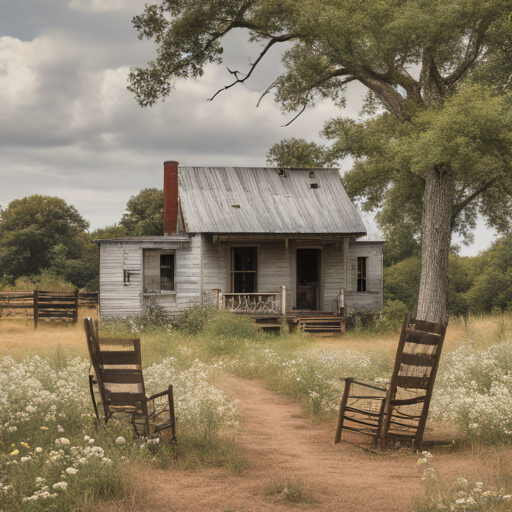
(19, 339)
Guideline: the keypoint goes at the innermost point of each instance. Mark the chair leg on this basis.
(91, 389)
(172, 416)
(343, 405)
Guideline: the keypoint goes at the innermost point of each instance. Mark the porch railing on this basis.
(261, 303)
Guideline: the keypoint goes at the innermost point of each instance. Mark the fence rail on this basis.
(63, 305)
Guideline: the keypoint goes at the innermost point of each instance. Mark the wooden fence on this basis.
(62, 305)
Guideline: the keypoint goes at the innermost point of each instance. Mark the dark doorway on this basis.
(308, 278)
(244, 269)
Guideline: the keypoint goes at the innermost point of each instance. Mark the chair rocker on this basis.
(118, 381)
(397, 411)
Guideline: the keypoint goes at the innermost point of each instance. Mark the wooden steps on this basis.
(320, 323)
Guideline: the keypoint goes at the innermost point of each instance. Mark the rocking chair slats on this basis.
(401, 411)
(117, 366)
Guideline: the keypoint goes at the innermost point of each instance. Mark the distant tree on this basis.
(113, 231)
(30, 230)
(299, 153)
(145, 215)
(444, 140)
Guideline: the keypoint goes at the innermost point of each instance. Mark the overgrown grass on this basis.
(289, 490)
(493, 494)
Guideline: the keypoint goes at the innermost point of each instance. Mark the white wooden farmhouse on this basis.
(234, 237)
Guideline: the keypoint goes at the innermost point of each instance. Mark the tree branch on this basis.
(272, 42)
(470, 55)
(459, 207)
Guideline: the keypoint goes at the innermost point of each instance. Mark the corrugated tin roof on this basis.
(260, 200)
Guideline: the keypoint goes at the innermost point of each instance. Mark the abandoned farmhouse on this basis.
(254, 240)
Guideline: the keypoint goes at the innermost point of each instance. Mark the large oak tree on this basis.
(441, 152)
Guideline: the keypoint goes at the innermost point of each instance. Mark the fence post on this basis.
(75, 312)
(284, 330)
(36, 308)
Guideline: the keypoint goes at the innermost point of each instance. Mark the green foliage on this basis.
(33, 229)
(368, 323)
(226, 333)
(402, 281)
(299, 153)
(145, 215)
(47, 280)
(195, 319)
(450, 118)
(154, 321)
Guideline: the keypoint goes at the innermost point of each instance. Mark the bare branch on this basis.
(272, 42)
(303, 108)
(267, 90)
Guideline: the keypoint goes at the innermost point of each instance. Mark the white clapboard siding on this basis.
(118, 298)
(372, 299)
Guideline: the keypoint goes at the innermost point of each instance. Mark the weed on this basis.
(290, 490)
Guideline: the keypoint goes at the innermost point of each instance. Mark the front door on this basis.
(308, 278)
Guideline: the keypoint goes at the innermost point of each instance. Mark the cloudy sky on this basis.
(69, 127)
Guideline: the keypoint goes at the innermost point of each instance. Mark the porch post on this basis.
(284, 324)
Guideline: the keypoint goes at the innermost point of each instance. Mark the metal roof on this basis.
(266, 200)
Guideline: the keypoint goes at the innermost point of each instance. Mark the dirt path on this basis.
(279, 442)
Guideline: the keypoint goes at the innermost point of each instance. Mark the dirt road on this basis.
(280, 444)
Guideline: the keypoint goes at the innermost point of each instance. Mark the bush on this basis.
(195, 319)
(375, 322)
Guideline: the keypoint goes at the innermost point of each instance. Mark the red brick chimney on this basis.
(170, 197)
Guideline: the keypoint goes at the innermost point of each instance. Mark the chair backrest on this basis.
(117, 364)
(418, 354)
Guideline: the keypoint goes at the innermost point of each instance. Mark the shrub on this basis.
(195, 319)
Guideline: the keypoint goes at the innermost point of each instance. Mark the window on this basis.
(158, 271)
(167, 272)
(361, 274)
(244, 269)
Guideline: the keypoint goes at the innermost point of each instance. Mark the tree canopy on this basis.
(30, 231)
(434, 147)
(145, 215)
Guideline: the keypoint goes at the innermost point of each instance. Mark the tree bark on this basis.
(435, 245)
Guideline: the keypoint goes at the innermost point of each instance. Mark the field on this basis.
(256, 421)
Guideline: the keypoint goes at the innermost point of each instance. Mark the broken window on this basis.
(361, 274)
(158, 271)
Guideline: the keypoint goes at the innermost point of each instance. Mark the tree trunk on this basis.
(435, 246)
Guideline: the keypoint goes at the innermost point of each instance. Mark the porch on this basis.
(269, 311)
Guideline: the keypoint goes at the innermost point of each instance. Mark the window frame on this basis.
(256, 249)
(159, 253)
(362, 274)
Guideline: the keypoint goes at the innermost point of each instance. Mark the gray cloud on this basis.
(70, 128)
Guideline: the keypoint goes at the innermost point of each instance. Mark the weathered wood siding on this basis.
(372, 299)
(275, 269)
(187, 280)
(118, 299)
(216, 265)
(333, 274)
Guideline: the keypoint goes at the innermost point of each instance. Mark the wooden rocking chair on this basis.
(117, 377)
(399, 410)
